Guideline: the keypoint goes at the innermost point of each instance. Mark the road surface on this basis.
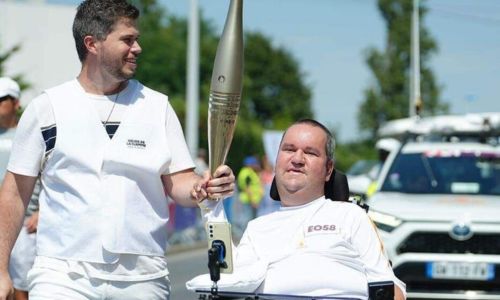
(183, 266)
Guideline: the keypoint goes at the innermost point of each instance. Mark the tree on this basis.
(347, 154)
(387, 98)
(274, 93)
(4, 56)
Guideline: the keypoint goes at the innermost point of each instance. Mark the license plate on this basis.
(460, 270)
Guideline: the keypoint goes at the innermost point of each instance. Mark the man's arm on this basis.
(398, 293)
(179, 185)
(15, 194)
(187, 188)
(366, 240)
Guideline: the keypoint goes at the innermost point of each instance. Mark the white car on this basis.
(437, 208)
(365, 172)
(361, 175)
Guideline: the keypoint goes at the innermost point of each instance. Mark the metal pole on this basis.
(193, 78)
(415, 97)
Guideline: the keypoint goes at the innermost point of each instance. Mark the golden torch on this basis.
(223, 107)
(225, 87)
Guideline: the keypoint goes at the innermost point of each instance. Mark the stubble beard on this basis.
(115, 69)
(119, 74)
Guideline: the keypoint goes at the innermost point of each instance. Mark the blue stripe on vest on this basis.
(49, 134)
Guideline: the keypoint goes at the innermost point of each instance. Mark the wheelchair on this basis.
(336, 189)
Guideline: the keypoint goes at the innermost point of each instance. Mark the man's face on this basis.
(119, 51)
(8, 110)
(301, 165)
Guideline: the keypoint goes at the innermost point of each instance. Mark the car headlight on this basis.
(384, 221)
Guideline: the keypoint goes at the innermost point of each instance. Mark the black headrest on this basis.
(336, 189)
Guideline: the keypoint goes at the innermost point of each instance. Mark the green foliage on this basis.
(247, 141)
(388, 97)
(274, 93)
(4, 56)
(19, 78)
(347, 154)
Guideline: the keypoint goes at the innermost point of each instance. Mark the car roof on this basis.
(473, 123)
(419, 147)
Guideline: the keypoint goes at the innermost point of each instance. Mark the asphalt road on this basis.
(183, 266)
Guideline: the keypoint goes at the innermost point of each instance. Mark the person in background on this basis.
(108, 149)
(249, 185)
(24, 250)
(266, 174)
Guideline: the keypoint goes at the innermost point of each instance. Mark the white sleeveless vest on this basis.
(104, 197)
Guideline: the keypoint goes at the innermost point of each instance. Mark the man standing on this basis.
(107, 149)
(23, 253)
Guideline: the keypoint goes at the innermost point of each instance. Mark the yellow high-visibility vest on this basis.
(249, 180)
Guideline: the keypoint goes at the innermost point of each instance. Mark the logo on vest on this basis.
(137, 144)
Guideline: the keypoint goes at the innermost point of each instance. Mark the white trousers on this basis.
(48, 284)
(22, 258)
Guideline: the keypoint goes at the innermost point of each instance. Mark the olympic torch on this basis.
(223, 107)
(225, 87)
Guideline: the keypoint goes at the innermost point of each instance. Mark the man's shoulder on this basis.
(263, 221)
(61, 86)
(345, 207)
(39, 111)
(148, 92)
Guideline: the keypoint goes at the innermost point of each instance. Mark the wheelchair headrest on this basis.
(336, 189)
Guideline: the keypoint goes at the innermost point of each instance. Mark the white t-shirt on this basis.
(30, 152)
(6, 137)
(324, 248)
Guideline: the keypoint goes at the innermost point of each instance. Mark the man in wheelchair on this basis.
(312, 246)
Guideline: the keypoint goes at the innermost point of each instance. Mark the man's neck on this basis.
(8, 123)
(298, 199)
(95, 83)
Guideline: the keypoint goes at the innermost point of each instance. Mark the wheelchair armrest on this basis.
(381, 290)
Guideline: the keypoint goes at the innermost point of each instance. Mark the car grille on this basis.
(440, 242)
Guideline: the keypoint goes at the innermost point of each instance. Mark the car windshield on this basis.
(435, 172)
(361, 167)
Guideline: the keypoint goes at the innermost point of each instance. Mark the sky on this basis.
(329, 39)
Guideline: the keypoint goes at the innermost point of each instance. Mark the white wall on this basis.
(48, 55)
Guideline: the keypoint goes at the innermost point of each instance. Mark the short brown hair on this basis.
(97, 18)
